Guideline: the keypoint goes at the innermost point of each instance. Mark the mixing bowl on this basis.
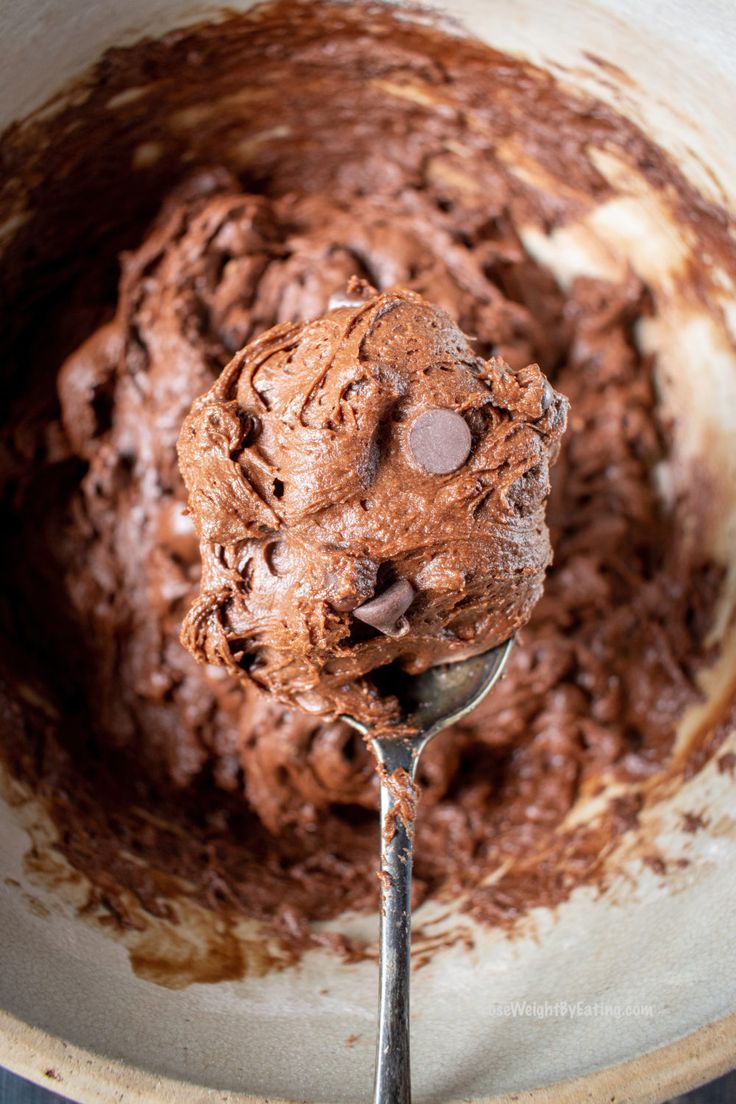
(625, 995)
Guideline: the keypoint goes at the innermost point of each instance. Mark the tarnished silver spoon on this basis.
(430, 702)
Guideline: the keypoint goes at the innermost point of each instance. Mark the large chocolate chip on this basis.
(440, 441)
(384, 611)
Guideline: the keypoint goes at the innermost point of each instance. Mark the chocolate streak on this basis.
(351, 143)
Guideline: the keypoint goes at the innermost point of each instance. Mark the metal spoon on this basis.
(431, 701)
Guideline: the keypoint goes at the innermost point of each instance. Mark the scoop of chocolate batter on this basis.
(366, 491)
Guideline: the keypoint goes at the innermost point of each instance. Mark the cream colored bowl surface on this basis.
(656, 957)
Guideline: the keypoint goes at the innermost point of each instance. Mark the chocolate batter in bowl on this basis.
(200, 876)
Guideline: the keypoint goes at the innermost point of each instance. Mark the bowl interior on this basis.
(602, 979)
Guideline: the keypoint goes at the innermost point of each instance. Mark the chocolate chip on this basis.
(384, 611)
(440, 441)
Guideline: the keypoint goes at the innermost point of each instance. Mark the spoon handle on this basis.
(393, 1071)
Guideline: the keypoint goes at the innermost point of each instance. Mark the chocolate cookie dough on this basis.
(367, 491)
(400, 155)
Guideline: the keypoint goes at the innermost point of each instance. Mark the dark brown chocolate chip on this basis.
(384, 611)
(440, 441)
